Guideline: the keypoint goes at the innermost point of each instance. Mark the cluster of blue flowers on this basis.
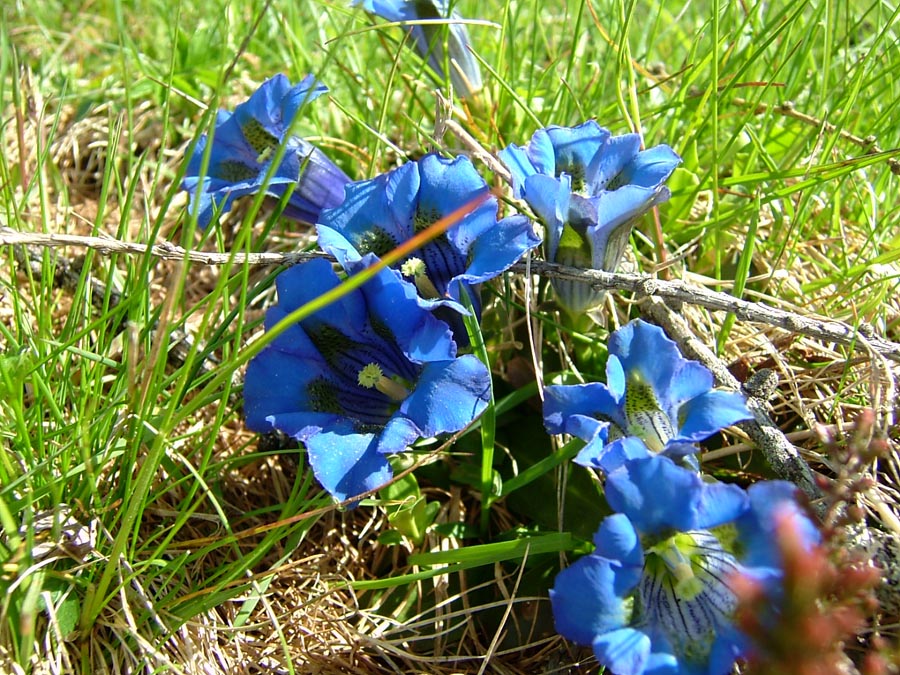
(372, 373)
(656, 594)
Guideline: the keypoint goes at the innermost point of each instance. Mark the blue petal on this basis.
(625, 651)
(275, 387)
(520, 167)
(578, 150)
(264, 106)
(769, 501)
(584, 600)
(588, 429)
(398, 434)
(307, 90)
(720, 503)
(655, 494)
(449, 184)
(301, 284)
(379, 214)
(617, 153)
(550, 198)
(691, 379)
(614, 217)
(497, 249)
(209, 203)
(365, 219)
(730, 645)
(596, 447)
(320, 185)
(644, 348)
(708, 413)
(419, 334)
(390, 10)
(685, 452)
(401, 190)
(237, 167)
(346, 463)
(465, 72)
(616, 539)
(542, 153)
(564, 403)
(334, 243)
(650, 167)
(615, 381)
(620, 208)
(449, 395)
(616, 454)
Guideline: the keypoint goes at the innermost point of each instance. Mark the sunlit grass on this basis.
(167, 519)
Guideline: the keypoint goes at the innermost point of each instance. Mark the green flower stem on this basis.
(488, 420)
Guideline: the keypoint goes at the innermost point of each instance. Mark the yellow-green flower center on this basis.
(685, 592)
(573, 249)
(371, 375)
(646, 419)
(415, 268)
(675, 554)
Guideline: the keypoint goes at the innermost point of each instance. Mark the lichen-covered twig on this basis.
(861, 339)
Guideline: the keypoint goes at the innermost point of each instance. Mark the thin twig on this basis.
(862, 339)
(164, 251)
(67, 275)
(786, 108)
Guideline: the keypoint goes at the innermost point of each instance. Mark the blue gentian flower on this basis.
(362, 378)
(244, 144)
(654, 400)
(465, 73)
(655, 596)
(377, 215)
(588, 187)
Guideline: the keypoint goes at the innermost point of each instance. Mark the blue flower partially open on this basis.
(465, 73)
(244, 145)
(588, 187)
(654, 400)
(360, 379)
(655, 596)
(381, 213)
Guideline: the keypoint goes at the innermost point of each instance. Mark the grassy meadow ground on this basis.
(144, 529)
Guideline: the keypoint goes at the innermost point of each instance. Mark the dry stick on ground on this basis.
(862, 339)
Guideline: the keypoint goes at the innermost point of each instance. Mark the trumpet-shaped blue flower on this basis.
(654, 400)
(465, 73)
(244, 145)
(362, 378)
(655, 596)
(379, 214)
(588, 187)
